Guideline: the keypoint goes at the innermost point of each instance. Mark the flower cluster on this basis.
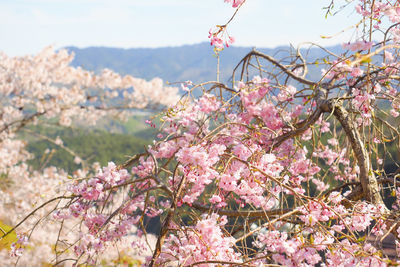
(219, 38)
(235, 3)
(202, 243)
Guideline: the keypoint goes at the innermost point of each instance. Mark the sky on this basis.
(27, 26)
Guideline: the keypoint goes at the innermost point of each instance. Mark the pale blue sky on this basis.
(26, 26)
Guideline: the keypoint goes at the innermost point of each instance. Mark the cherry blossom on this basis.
(271, 169)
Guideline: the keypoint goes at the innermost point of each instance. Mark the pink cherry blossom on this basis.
(235, 3)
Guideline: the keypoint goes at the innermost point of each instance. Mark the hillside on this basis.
(189, 62)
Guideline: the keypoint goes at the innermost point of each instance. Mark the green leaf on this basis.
(366, 59)
(361, 239)
(5, 243)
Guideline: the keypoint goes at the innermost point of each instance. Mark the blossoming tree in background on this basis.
(45, 90)
(275, 169)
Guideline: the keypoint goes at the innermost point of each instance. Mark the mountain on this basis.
(196, 62)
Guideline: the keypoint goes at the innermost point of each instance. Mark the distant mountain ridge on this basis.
(196, 62)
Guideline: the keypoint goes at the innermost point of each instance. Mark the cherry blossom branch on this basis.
(367, 177)
(115, 212)
(242, 213)
(165, 227)
(276, 63)
(35, 210)
(283, 216)
(300, 128)
(22, 122)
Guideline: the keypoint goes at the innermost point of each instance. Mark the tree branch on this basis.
(368, 180)
(242, 213)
